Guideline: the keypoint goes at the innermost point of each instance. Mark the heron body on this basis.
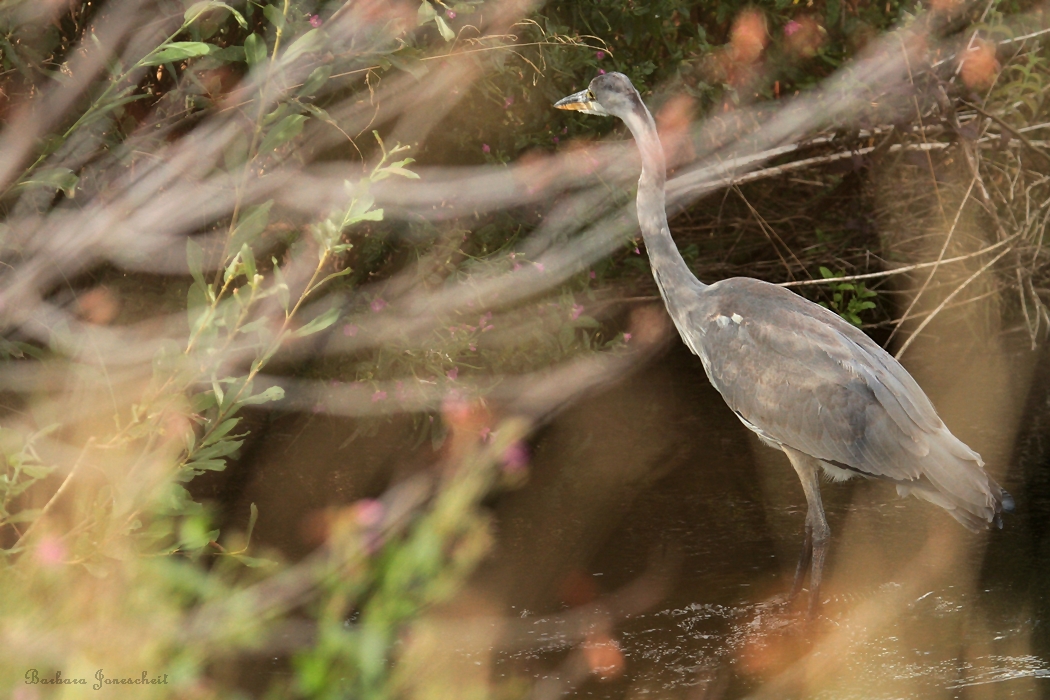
(798, 375)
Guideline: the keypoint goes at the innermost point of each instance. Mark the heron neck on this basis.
(669, 268)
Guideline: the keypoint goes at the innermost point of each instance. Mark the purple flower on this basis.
(599, 55)
(515, 457)
(601, 72)
(576, 311)
(508, 102)
(350, 330)
(485, 148)
(791, 27)
(315, 21)
(379, 396)
(626, 337)
(555, 139)
(450, 14)
(378, 304)
(453, 373)
(592, 274)
(636, 251)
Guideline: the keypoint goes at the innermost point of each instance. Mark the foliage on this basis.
(98, 508)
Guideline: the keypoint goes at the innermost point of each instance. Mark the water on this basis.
(650, 551)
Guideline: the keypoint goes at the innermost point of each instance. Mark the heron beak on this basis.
(582, 101)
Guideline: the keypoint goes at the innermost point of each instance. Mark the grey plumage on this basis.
(798, 375)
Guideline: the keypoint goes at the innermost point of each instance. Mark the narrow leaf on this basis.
(318, 324)
(198, 8)
(254, 516)
(195, 261)
(176, 51)
(285, 130)
(274, 393)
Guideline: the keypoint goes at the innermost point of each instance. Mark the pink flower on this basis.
(576, 311)
(473, 347)
(599, 55)
(626, 337)
(378, 304)
(450, 14)
(50, 552)
(517, 266)
(508, 102)
(637, 251)
(539, 266)
(485, 148)
(487, 328)
(485, 433)
(379, 396)
(592, 275)
(515, 458)
(315, 21)
(453, 373)
(350, 330)
(601, 72)
(369, 512)
(555, 139)
(791, 27)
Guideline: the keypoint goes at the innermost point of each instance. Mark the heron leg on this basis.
(818, 533)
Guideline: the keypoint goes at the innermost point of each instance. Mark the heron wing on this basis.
(803, 377)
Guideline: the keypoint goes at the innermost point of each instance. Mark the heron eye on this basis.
(590, 96)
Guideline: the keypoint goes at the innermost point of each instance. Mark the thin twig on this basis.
(947, 299)
(54, 499)
(897, 270)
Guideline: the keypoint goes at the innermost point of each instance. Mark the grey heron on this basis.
(799, 376)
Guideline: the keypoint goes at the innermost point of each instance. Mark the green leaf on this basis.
(318, 324)
(201, 402)
(425, 13)
(223, 448)
(225, 427)
(285, 130)
(252, 518)
(274, 393)
(275, 16)
(311, 41)
(315, 81)
(446, 31)
(251, 225)
(195, 261)
(58, 178)
(176, 51)
(231, 54)
(25, 516)
(210, 465)
(282, 286)
(253, 562)
(197, 9)
(254, 50)
(248, 260)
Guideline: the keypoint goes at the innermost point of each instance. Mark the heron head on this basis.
(608, 95)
